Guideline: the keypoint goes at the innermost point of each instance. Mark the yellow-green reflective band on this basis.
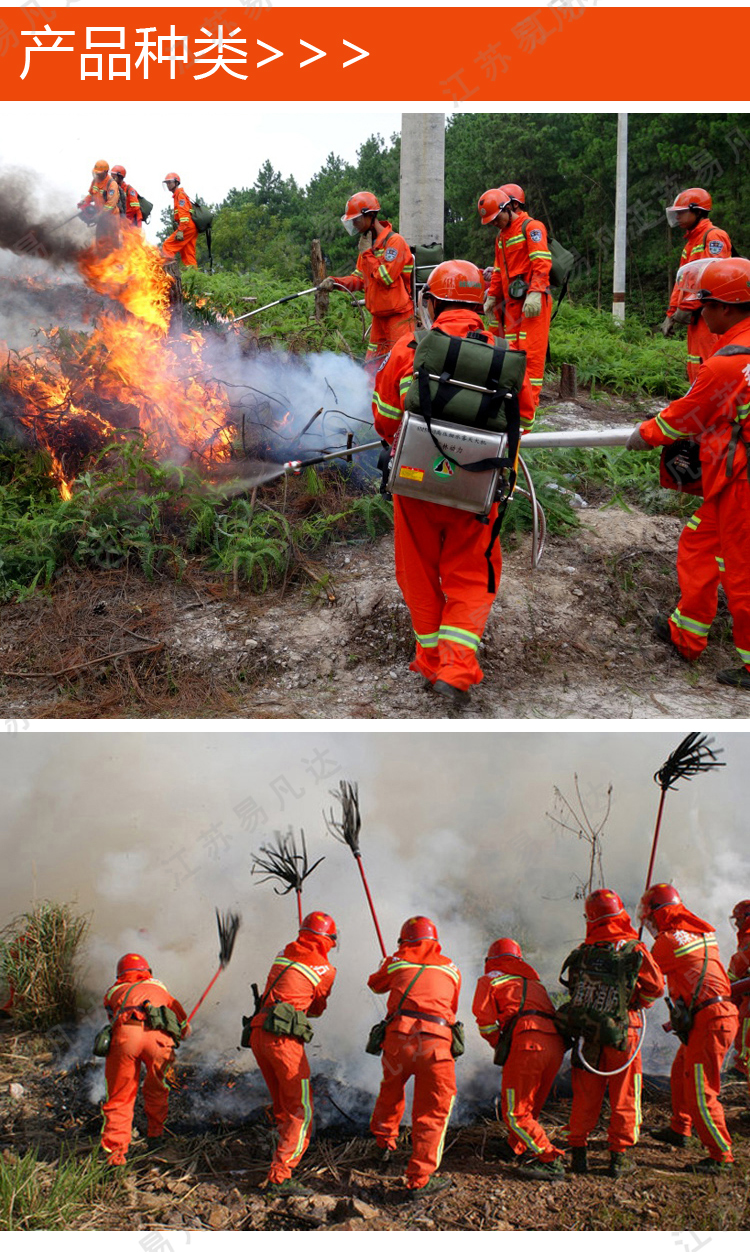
(514, 239)
(441, 1145)
(670, 430)
(694, 360)
(722, 567)
(696, 945)
(383, 272)
(694, 628)
(637, 1087)
(536, 382)
(488, 1030)
(306, 1119)
(744, 655)
(708, 1121)
(510, 1109)
(428, 641)
(386, 410)
(546, 256)
(454, 634)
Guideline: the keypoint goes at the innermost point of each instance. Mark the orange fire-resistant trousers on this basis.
(132, 1047)
(531, 335)
(442, 571)
(384, 332)
(624, 1099)
(723, 531)
(184, 248)
(283, 1063)
(427, 1059)
(696, 1079)
(528, 1075)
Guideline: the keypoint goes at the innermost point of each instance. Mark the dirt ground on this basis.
(572, 639)
(208, 1174)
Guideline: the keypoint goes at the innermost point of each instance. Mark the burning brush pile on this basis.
(76, 392)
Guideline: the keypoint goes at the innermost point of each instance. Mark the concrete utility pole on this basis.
(621, 219)
(422, 179)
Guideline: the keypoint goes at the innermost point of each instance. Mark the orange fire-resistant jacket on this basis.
(132, 205)
(680, 955)
(384, 273)
(521, 251)
(104, 196)
(498, 997)
(434, 994)
(182, 206)
(395, 375)
(148, 991)
(713, 413)
(305, 977)
(704, 242)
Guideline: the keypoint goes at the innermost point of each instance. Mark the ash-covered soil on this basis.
(572, 639)
(207, 1175)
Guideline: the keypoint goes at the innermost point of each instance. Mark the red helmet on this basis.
(512, 191)
(461, 282)
(118, 169)
(656, 897)
(361, 202)
(132, 963)
(415, 929)
(741, 914)
(601, 904)
(694, 200)
(489, 204)
(504, 947)
(171, 178)
(726, 281)
(320, 924)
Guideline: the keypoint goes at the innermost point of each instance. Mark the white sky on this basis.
(214, 147)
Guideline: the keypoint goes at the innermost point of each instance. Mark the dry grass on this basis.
(39, 953)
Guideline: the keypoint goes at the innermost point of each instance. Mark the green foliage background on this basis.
(565, 162)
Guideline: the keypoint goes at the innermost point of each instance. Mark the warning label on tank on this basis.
(408, 471)
(443, 467)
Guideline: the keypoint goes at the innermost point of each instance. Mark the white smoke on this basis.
(150, 831)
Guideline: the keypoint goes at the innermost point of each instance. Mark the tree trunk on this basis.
(318, 273)
(568, 383)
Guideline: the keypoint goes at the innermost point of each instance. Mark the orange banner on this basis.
(564, 50)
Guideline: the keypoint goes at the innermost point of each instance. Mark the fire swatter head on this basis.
(348, 829)
(228, 925)
(285, 862)
(694, 755)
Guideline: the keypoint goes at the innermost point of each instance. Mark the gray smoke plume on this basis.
(149, 831)
(30, 219)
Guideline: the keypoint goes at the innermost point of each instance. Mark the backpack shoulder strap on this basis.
(395, 1013)
(734, 349)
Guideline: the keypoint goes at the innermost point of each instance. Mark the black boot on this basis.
(579, 1161)
(739, 678)
(453, 695)
(620, 1165)
(672, 1137)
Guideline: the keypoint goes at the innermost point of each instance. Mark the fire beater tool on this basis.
(284, 299)
(694, 755)
(285, 862)
(347, 831)
(228, 924)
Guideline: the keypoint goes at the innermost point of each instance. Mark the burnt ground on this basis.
(571, 639)
(208, 1174)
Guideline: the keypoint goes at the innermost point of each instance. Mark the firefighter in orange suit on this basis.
(519, 291)
(703, 241)
(713, 413)
(510, 987)
(441, 552)
(739, 970)
(182, 240)
(687, 952)
(301, 977)
(101, 207)
(607, 923)
(383, 271)
(133, 215)
(422, 986)
(135, 1042)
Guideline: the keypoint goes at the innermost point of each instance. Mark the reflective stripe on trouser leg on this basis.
(509, 1100)
(698, 575)
(733, 520)
(702, 1101)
